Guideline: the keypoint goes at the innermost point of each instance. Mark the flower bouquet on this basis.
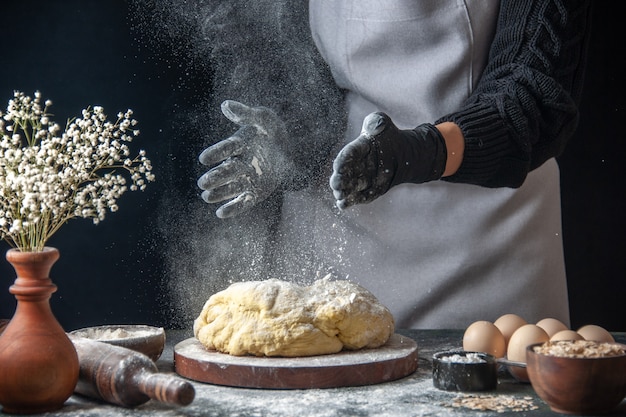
(49, 175)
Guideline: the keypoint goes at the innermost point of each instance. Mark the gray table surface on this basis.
(411, 396)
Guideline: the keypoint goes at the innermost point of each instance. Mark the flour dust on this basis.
(259, 53)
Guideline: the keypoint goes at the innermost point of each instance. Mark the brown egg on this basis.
(507, 324)
(484, 336)
(595, 333)
(566, 335)
(552, 326)
(521, 338)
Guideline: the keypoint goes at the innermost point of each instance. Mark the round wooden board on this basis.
(394, 360)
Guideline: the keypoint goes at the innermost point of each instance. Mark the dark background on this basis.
(85, 52)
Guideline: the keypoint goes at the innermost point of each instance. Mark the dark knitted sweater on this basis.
(525, 107)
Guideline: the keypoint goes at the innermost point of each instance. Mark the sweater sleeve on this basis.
(525, 106)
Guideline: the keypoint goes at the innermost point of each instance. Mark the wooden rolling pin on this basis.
(124, 377)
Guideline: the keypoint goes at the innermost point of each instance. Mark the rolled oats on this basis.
(579, 349)
(497, 403)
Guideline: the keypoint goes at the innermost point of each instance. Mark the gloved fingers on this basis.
(238, 205)
(350, 190)
(350, 168)
(345, 203)
(226, 172)
(235, 111)
(352, 155)
(352, 199)
(343, 186)
(227, 191)
(342, 204)
(222, 150)
(244, 115)
(355, 178)
(376, 123)
(250, 163)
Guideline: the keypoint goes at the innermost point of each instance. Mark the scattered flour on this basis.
(468, 358)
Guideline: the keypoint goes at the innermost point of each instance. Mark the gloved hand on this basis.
(251, 164)
(383, 156)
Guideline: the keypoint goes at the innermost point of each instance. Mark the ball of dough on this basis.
(280, 318)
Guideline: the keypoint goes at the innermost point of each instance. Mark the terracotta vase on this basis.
(38, 362)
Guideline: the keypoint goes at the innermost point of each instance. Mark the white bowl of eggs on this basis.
(508, 337)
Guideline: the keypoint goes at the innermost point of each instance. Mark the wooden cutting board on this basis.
(396, 359)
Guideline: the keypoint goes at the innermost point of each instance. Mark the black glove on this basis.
(383, 156)
(251, 163)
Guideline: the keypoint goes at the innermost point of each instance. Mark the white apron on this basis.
(439, 255)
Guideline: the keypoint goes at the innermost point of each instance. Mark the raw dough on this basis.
(279, 318)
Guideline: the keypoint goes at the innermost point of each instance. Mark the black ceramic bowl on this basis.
(460, 370)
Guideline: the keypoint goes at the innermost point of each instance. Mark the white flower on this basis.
(48, 176)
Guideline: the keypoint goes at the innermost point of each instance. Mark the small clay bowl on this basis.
(460, 370)
(581, 386)
(148, 340)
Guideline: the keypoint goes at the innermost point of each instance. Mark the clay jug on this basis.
(38, 362)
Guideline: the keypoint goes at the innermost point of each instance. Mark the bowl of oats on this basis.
(145, 339)
(581, 377)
